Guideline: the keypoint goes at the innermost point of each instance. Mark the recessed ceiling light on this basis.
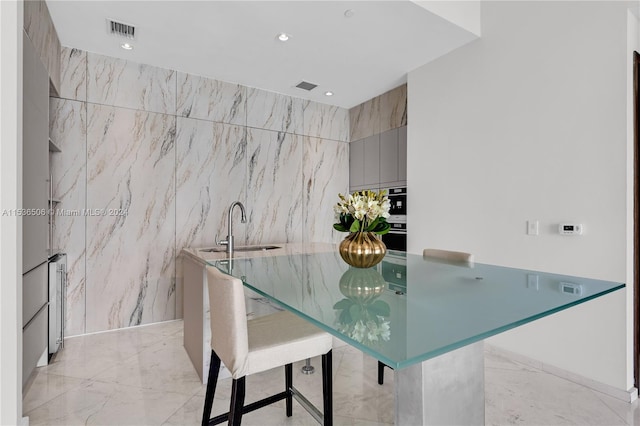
(126, 46)
(283, 36)
(328, 93)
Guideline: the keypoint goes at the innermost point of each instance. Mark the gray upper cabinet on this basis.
(35, 159)
(402, 154)
(356, 164)
(389, 156)
(379, 161)
(372, 161)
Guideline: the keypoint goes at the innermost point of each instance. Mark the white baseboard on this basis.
(627, 396)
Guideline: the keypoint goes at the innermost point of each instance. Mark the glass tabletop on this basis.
(408, 309)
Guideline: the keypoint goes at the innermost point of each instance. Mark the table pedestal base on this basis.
(445, 390)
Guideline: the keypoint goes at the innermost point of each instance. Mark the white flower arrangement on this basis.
(363, 211)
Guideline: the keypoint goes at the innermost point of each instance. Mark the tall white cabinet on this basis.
(35, 196)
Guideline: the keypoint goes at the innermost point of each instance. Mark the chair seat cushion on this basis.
(282, 338)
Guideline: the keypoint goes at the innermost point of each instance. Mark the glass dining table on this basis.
(425, 319)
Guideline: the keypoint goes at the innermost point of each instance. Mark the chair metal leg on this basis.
(307, 368)
(237, 401)
(288, 383)
(380, 373)
(327, 388)
(214, 369)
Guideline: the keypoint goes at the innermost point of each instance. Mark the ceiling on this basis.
(356, 57)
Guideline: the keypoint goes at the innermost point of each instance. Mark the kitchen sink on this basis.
(222, 249)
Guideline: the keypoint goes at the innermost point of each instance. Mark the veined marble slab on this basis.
(211, 174)
(73, 74)
(325, 175)
(326, 121)
(364, 119)
(273, 111)
(68, 129)
(130, 244)
(117, 82)
(274, 187)
(393, 108)
(213, 100)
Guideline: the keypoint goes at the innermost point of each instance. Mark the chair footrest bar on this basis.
(251, 407)
(307, 405)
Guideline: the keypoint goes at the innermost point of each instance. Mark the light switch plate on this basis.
(532, 281)
(532, 227)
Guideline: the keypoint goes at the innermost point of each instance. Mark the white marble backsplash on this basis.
(212, 100)
(67, 128)
(131, 245)
(326, 121)
(73, 76)
(117, 82)
(175, 150)
(273, 111)
(274, 162)
(325, 175)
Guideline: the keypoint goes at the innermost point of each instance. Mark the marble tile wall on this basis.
(385, 112)
(130, 261)
(39, 27)
(173, 151)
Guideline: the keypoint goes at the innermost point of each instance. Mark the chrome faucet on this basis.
(229, 241)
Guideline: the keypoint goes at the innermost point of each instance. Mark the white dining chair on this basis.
(249, 347)
(454, 257)
(448, 256)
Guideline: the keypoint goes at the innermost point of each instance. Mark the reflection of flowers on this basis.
(362, 317)
(364, 323)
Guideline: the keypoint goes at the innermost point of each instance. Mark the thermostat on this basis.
(571, 288)
(570, 229)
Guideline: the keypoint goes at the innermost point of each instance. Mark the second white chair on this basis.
(248, 347)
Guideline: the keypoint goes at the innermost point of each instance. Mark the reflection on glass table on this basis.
(425, 319)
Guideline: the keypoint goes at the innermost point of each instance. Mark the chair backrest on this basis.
(447, 255)
(229, 337)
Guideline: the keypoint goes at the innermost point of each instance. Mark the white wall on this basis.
(465, 14)
(530, 122)
(10, 225)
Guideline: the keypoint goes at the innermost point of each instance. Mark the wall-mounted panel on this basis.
(274, 162)
(273, 111)
(212, 100)
(116, 82)
(73, 74)
(325, 175)
(131, 221)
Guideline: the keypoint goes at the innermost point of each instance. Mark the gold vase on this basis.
(362, 249)
(362, 285)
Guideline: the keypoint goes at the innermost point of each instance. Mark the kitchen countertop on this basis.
(201, 255)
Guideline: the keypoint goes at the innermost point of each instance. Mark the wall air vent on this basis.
(120, 29)
(305, 85)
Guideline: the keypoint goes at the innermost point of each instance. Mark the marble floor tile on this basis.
(44, 387)
(142, 376)
(164, 366)
(99, 403)
(86, 356)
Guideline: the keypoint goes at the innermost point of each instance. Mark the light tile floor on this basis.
(143, 376)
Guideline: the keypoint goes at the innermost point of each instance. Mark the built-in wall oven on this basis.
(396, 238)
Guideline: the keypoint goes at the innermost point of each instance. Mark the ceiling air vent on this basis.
(120, 29)
(306, 85)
